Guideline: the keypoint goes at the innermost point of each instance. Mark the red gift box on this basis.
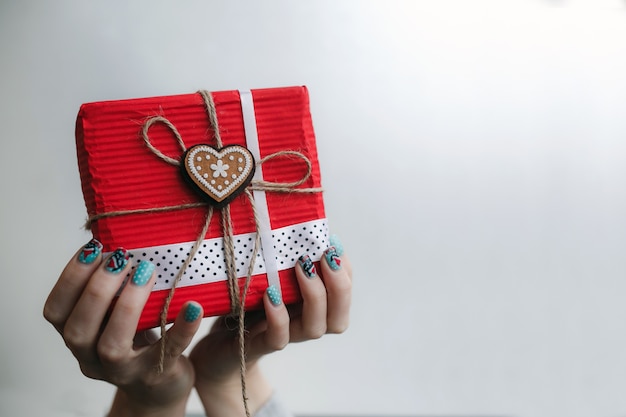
(123, 182)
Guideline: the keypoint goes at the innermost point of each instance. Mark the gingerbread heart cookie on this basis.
(219, 174)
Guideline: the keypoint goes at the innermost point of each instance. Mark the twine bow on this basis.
(237, 295)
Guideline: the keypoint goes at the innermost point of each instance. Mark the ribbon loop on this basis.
(209, 106)
(172, 128)
(287, 185)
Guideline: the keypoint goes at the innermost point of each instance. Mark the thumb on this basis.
(181, 333)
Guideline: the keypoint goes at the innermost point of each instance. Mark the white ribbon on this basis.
(207, 266)
(268, 250)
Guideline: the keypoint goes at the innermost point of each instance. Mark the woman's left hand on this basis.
(325, 308)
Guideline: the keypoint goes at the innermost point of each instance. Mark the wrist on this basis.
(155, 395)
(224, 396)
(125, 405)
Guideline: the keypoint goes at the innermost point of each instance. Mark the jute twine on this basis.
(237, 296)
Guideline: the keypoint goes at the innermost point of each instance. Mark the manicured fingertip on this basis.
(90, 252)
(117, 261)
(307, 266)
(274, 295)
(193, 311)
(143, 273)
(332, 258)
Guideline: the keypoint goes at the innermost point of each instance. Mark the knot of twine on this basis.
(237, 295)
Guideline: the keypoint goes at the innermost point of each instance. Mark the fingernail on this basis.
(143, 273)
(336, 242)
(117, 261)
(90, 252)
(307, 266)
(192, 312)
(274, 295)
(332, 258)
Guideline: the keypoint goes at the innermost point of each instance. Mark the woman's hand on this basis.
(104, 340)
(325, 308)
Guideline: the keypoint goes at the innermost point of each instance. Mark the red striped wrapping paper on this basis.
(119, 173)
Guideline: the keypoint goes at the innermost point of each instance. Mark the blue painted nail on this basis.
(117, 261)
(192, 312)
(143, 273)
(336, 242)
(90, 252)
(274, 295)
(333, 260)
(307, 266)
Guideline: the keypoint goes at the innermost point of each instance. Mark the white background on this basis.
(474, 157)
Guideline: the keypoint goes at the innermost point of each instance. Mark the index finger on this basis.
(71, 283)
